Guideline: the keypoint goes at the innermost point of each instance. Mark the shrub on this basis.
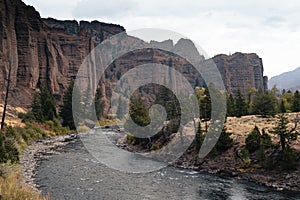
(287, 159)
(27, 117)
(130, 139)
(82, 129)
(34, 131)
(245, 158)
(8, 150)
(225, 141)
(253, 140)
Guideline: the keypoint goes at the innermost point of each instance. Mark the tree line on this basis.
(257, 102)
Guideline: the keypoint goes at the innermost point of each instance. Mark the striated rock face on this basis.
(242, 71)
(43, 52)
(49, 52)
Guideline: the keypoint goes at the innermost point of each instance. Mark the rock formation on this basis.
(49, 52)
(43, 52)
(242, 71)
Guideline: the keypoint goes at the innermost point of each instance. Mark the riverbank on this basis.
(224, 166)
(41, 149)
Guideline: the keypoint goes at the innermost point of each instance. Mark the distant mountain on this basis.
(288, 80)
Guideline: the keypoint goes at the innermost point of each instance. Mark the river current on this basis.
(74, 174)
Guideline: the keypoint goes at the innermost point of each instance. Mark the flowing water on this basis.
(75, 174)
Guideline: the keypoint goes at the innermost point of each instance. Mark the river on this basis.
(74, 174)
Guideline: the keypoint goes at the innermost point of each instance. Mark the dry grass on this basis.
(12, 186)
(241, 127)
(11, 118)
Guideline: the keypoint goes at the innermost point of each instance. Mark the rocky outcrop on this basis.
(241, 71)
(49, 52)
(43, 52)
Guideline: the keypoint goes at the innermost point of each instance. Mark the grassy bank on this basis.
(12, 187)
(13, 141)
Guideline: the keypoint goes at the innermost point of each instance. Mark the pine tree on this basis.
(205, 105)
(285, 134)
(282, 106)
(36, 108)
(296, 102)
(230, 106)
(48, 105)
(139, 112)
(240, 105)
(43, 106)
(66, 112)
(253, 140)
(265, 104)
(225, 141)
(199, 136)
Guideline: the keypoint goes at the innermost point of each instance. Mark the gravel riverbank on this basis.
(41, 149)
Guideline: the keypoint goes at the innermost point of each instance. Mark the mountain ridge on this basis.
(287, 80)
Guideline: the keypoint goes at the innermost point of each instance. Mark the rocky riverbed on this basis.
(41, 149)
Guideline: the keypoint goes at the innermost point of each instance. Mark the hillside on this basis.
(288, 80)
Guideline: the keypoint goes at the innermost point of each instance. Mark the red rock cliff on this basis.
(48, 53)
(43, 52)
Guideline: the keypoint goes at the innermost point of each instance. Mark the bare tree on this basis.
(6, 96)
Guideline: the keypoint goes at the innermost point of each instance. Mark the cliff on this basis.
(242, 71)
(49, 52)
(43, 52)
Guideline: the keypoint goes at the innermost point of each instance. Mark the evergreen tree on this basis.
(48, 105)
(282, 106)
(205, 105)
(253, 140)
(296, 102)
(265, 104)
(225, 141)
(199, 136)
(139, 112)
(285, 134)
(230, 106)
(240, 105)
(36, 108)
(43, 106)
(66, 112)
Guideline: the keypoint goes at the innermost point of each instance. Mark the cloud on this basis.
(104, 8)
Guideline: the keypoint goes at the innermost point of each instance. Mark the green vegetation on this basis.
(265, 104)
(71, 98)
(240, 105)
(285, 134)
(225, 141)
(269, 155)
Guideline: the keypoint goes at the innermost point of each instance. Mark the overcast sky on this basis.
(270, 28)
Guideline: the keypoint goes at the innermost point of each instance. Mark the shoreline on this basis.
(45, 147)
(32, 155)
(259, 179)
